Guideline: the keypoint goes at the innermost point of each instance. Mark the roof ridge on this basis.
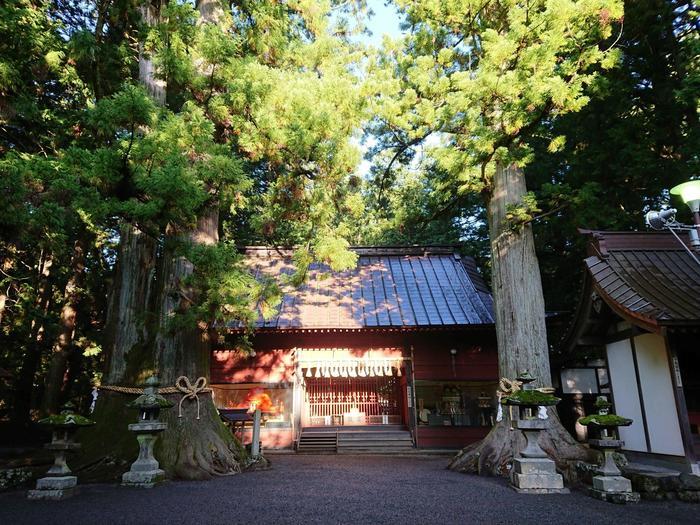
(398, 250)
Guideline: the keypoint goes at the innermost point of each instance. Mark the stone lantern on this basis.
(534, 472)
(608, 483)
(145, 471)
(59, 482)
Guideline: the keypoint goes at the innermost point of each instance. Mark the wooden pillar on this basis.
(682, 409)
(255, 445)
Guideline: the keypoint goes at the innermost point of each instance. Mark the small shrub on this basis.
(13, 478)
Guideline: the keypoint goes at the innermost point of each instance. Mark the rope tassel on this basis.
(190, 391)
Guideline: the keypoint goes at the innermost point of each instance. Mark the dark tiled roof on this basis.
(390, 287)
(646, 277)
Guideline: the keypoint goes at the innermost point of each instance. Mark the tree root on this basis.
(190, 448)
(493, 455)
(201, 448)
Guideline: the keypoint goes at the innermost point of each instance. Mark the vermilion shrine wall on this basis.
(435, 367)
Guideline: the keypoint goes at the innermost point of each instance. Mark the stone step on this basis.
(373, 435)
(387, 442)
(357, 439)
(376, 450)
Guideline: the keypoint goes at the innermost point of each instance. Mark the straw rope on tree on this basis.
(182, 386)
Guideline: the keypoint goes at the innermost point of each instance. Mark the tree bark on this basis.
(64, 342)
(130, 306)
(520, 331)
(24, 387)
(191, 447)
(516, 285)
(150, 14)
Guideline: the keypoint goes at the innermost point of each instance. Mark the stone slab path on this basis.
(336, 489)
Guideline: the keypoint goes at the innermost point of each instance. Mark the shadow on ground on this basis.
(336, 489)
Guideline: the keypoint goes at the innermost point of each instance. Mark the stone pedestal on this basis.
(608, 483)
(145, 471)
(534, 472)
(59, 482)
(54, 488)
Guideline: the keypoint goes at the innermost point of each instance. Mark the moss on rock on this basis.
(605, 420)
(530, 397)
(66, 420)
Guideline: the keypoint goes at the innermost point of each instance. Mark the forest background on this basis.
(266, 130)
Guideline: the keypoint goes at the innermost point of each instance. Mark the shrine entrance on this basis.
(343, 387)
(347, 401)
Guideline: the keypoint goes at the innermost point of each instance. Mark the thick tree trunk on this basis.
(129, 309)
(24, 387)
(190, 448)
(109, 448)
(520, 330)
(144, 343)
(516, 284)
(64, 342)
(150, 14)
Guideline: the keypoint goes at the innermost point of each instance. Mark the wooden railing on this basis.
(328, 399)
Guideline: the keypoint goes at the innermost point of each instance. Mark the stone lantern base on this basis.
(615, 489)
(146, 479)
(608, 483)
(145, 472)
(54, 488)
(537, 476)
(534, 472)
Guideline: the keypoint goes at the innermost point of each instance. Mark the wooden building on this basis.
(635, 338)
(405, 340)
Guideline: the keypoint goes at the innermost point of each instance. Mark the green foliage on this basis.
(638, 136)
(484, 74)
(227, 291)
(530, 398)
(13, 478)
(607, 420)
(262, 107)
(66, 420)
(523, 213)
(470, 85)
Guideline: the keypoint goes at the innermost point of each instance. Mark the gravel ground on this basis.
(336, 489)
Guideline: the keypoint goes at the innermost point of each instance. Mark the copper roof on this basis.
(428, 286)
(646, 278)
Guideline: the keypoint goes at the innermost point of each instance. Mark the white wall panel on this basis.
(625, 393)
(657, 391)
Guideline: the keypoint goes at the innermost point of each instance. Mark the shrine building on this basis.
(403, 344)
(634, 339)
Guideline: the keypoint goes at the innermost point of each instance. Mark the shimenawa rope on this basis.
(182, 385)
(190, 391)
